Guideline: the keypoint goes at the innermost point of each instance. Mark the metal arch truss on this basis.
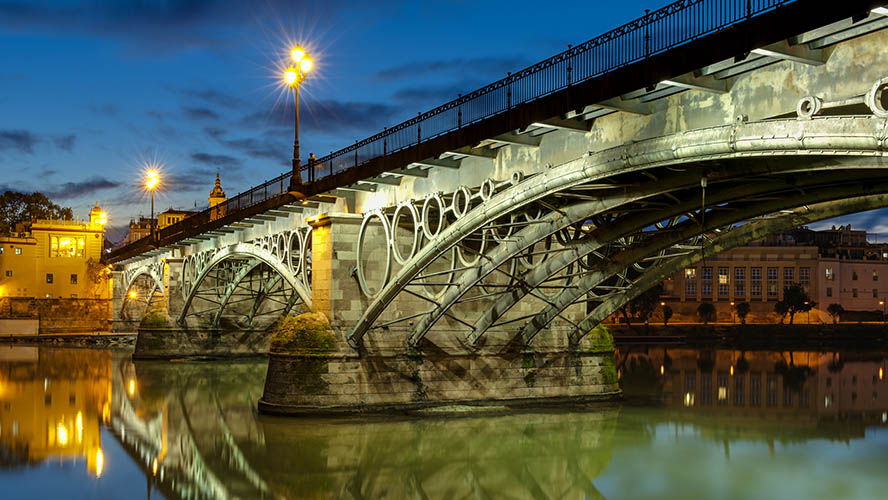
(544, 235)
(263, 278)
(147, 277)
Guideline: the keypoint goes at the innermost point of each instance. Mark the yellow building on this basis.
(171, 216)
(55, 259)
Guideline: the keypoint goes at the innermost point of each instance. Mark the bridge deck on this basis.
(622, 70)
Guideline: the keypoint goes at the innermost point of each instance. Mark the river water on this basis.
(695, 423)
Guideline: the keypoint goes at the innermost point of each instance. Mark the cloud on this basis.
(252, 147)
(200, 113)
(88, 186)
(65, 142)
(224, 161)
(454, 67)
(20, 140)
(211, 96)
(330, 116)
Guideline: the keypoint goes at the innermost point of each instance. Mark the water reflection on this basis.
(51, 405)
(192, 431)
(803, 385)
(198, 421)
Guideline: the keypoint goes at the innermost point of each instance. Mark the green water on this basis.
(91, 423)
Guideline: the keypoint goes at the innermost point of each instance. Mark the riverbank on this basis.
(97, 339)
(757, 336)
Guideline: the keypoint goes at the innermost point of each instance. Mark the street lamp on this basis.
(733, 309)
(294, 76)
(882, 303)
(152, 181)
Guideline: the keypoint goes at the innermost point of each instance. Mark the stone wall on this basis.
(60, 315)
(175, 342)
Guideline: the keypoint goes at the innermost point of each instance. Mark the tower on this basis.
(217, 196)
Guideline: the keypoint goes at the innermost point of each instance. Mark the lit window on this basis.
(1, 250)
(49, 277)
(830, 275)
(73, 279)
(18, 251)
(66, 246)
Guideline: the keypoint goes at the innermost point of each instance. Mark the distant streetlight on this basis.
(732, 312)
(882, 303)
(151, 182)
(294, 76)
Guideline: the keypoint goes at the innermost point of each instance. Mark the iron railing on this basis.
(658, 31)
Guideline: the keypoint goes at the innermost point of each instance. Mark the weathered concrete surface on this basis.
(315, 371)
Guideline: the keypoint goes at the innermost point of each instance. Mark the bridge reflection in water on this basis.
(193, 430)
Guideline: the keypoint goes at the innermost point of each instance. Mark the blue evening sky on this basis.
(92, 90)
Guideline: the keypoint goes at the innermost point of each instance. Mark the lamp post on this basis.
(294, 76)
(733, 321)
(882, 303)
(151, 183)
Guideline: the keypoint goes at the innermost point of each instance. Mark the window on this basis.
(723, 282)
(1, 250)
(49, 277)
(854, 292)
(66, 246)
(739, 281)
(875, 275)
(772, 282)
(830, 275)
(73, 295)
(788, 277)
(829, 291)
(787, 397)
(705, 388)
(755, 285)
(722, 384)
(691, 281)
(875, 293)
(73, 279)
(804, 275)
(707, 282)
(18, 251)
(9, 274)
(854, 275)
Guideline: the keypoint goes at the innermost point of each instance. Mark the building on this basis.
(141, 228)
(836, 265)
(138, 229)
(55, 259)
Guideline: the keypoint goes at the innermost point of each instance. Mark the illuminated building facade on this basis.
(55, 259)
(836, 265)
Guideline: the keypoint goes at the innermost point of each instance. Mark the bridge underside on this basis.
(564, 249)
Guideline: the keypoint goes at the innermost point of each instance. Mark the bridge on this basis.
(516, 218)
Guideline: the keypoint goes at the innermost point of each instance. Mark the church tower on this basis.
(217, 196)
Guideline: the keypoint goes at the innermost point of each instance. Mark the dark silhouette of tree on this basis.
(742, 309)
(835, 311)
(667, 315)
(643, 305)
(795, 300)
(706, 312)
(22, 207)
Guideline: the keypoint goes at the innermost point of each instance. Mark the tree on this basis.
(795, 300)
(22, 207)
(835, 311)
(742, 309)
(667, 314)
(643, 306)
(706, 312)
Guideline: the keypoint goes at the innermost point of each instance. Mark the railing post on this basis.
(331, 162)
(418, 128)
(647, 34)
(356, 153)
(459, 115)
(569, 46)
(384, 142)
(509, 93)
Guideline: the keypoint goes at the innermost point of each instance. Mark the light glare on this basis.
(305, 65)
(298, 54)
(290, 76)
